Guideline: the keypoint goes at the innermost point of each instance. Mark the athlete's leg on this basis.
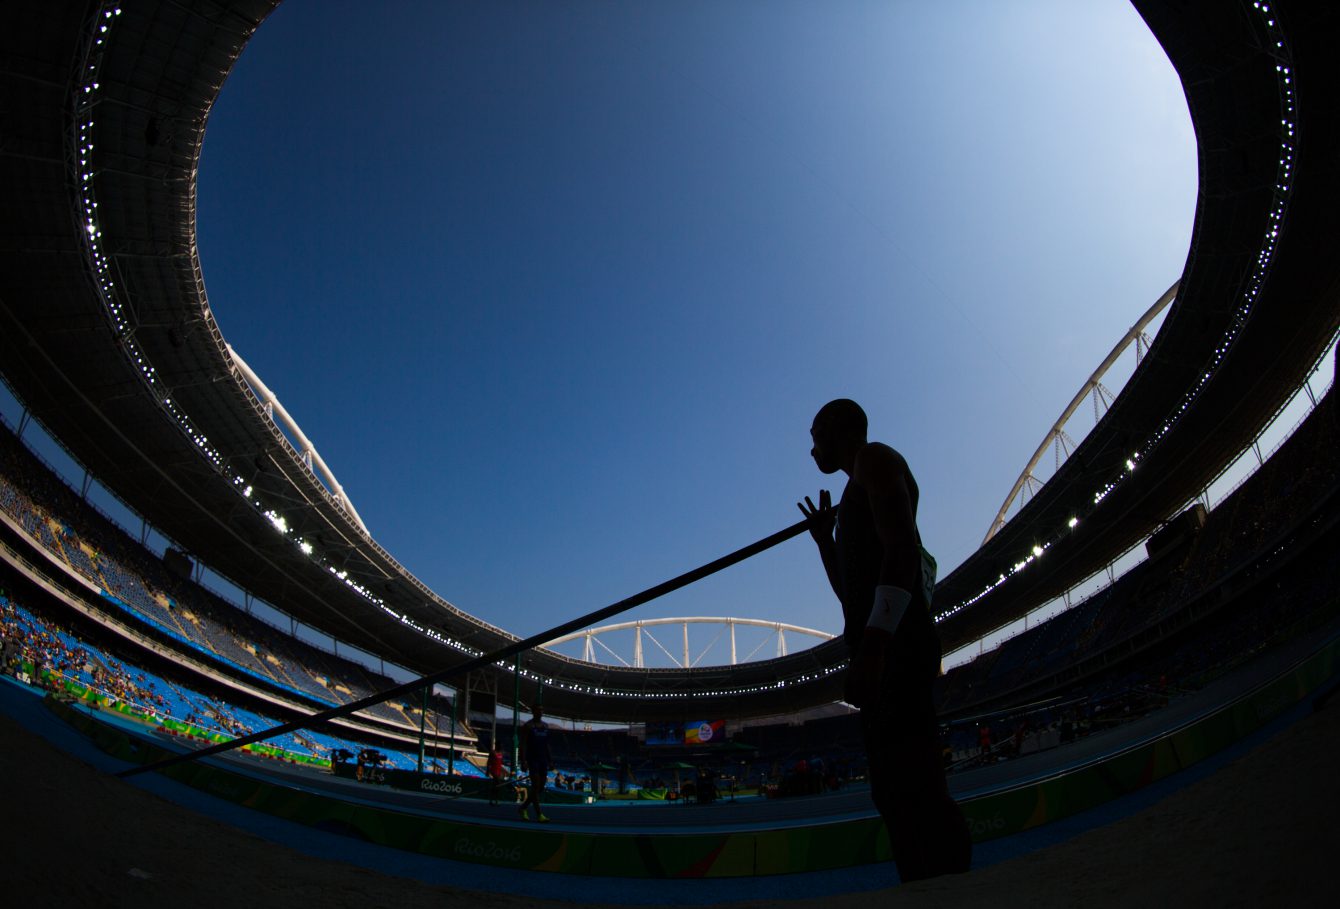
(927, 832)
(538, 777)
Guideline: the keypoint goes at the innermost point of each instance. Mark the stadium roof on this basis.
(107, 335)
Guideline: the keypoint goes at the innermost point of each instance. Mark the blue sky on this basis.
(555, 288)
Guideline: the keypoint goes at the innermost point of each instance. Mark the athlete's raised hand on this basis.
(821, 518)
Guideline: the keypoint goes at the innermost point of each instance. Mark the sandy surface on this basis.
(1263, 831)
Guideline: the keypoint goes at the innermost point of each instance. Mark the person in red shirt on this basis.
(494, 770)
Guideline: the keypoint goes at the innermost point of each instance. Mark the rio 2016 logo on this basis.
(705, 732)
(983, 826)
(440, 786)
(488, 851)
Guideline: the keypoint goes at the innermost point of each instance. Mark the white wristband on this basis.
(888, 608)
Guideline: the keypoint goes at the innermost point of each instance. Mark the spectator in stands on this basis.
(535, 759)
(876, 568)
(9, 648)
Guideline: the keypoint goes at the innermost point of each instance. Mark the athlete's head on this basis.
(838, 432)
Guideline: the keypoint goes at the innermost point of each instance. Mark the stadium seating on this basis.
(136, 583)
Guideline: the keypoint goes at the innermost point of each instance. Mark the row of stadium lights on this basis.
(671, 695)
(1284, 176)
(102, 268)
(104, 20)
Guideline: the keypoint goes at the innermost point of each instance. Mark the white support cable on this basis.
(758, 648)
(702, 653)
(607, 649)
(668, 654)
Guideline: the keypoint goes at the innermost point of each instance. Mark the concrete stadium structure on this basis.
(106, 335)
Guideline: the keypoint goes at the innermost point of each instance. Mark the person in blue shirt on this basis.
(535, 760)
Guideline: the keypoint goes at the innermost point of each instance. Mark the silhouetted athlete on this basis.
(535, 758)
(874, 564)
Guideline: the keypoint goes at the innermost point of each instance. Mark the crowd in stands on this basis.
(137, 583)
(38, 649)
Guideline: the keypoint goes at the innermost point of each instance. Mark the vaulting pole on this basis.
(451, 751)
(516, 711)
(479, 662)
(423, 720)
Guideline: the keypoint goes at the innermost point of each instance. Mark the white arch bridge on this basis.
(593, 646)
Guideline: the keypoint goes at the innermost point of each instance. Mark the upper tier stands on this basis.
(1301, 477)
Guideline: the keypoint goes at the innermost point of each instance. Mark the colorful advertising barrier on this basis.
(450, 786)
(819, 846)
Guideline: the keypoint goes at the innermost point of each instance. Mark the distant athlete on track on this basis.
(871, 551)
(535, 759)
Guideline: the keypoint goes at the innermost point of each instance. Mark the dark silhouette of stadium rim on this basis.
(108, 339)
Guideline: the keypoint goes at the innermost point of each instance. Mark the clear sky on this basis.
(555, 288)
